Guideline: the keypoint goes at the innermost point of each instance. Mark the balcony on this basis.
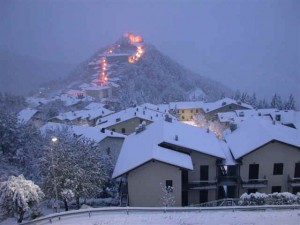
(228, 180)
(254, 183)
(201, 185)
(294, 181)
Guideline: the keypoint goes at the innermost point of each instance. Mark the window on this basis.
(169, 185)
(276, 189)
(191, 111)
(123, 130)
(182, 117)
(278, 169)
(197, 110)
(192, 117)
(182, 111)
(114, 130)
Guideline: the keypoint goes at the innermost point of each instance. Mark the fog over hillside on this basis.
(21, 74)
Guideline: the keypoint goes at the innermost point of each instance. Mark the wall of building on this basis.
(200, 159)
(188, 114)
(266, 156)
(145, 184)
(129, 125)
(111, 146)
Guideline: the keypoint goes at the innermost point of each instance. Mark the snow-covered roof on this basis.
(84, 114)
(135, 112)
(92, 133)
(255, 132)
(211, 106)
(186, 105)
(26, 114)
(95, 105)
(145, 146)
(286, 116)
(95, 88)
(34, 102)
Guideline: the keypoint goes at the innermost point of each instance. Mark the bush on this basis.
(284, 198)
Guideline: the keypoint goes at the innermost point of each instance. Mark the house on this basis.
(98, 92)
(86, 117)
(268, 156)
(289, 118)
(127, 120)
(186, 111)
(170, 153)
(25, 115)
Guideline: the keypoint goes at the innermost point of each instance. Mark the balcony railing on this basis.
(294, 181)
(254, 183)
(228, 180)
(201, 185)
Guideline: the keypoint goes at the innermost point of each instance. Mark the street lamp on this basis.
(56, 205)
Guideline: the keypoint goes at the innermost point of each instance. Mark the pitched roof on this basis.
(92, 133)
(144, 146)
(255, 132)
(141, 111)
(26, 114)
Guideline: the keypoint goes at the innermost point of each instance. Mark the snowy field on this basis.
(272, 217)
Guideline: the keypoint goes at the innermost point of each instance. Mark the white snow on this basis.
(135, 112)
(255, 132)
(26, 114)
(218, 217)
(92, 133)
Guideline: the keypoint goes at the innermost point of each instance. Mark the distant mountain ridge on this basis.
(21, 74)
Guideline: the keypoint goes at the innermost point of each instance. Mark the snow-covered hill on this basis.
(141, 73)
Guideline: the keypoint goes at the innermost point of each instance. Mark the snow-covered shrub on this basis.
(284, 198)
(168, 197)
(253, 199)
(18, 195)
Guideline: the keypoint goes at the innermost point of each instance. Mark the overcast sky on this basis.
(249, 45)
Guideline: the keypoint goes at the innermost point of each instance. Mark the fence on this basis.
(128, 210)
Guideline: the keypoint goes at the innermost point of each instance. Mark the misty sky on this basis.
(248, 45)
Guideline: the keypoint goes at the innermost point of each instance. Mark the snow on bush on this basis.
(168, 197)
(284, 198)
(18, 195)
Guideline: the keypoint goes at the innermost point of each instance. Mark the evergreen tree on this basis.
(276, 102)
(290, 104)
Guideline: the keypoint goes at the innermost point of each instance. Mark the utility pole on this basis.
(56, 205)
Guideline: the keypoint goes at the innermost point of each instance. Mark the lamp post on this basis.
(56, 205)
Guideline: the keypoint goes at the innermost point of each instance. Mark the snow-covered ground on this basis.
(222, 217)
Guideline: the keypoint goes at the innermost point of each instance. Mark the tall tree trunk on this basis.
(66, 205)
(21, 216)
(77, 203)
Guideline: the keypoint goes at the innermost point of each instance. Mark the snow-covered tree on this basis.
(200, 120)
(18, 195)
(290, 104)
(74, 164)
(168, 196)
(276, 102)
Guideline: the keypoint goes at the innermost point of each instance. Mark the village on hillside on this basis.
(204, 150)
